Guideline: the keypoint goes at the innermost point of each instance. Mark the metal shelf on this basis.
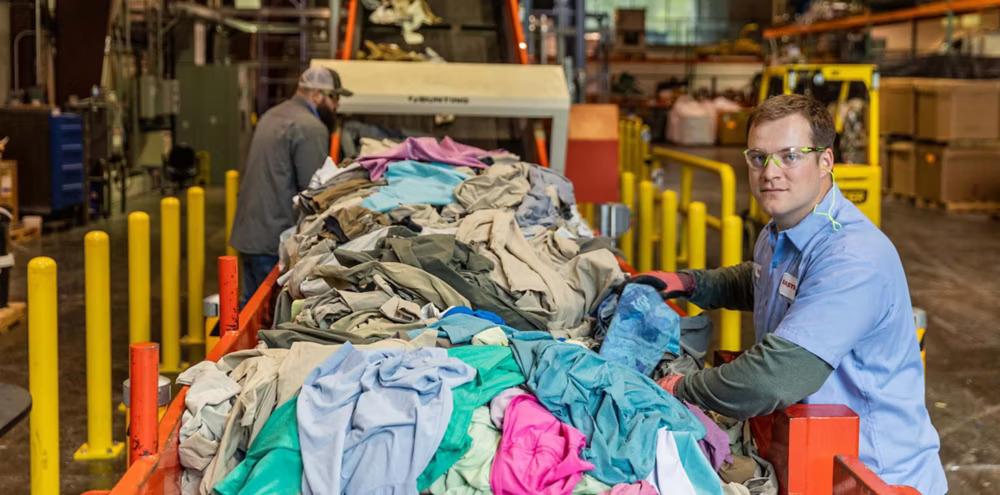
(936, 9)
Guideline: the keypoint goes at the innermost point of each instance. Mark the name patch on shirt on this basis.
(789, 285)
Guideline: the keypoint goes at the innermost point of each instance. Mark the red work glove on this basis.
(669, 383)
(671, 284)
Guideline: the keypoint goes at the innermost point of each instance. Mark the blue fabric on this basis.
(370, 421)
(460, 327)
(643, 328)
(479, 313)
(256, 267)
(699, 471)
(618, 409)
(412, 182)
(851, 308)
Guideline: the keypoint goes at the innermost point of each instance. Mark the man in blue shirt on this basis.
(830, 304)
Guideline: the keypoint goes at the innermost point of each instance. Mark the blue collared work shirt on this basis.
(842, 295)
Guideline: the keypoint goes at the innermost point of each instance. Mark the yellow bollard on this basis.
(232, 189)
(170, 291)
(195, 265)
(587, 212)
(138, 277)
(645, 222)
(696, 244)
(627, 241)
(732, 254)
(97, 278)
(668, 231)
(43, 375)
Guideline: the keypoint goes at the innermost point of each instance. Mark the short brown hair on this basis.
(781, 106)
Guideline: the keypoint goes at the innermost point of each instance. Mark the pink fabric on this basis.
(537, 452)
(640, 488)
(425, 149)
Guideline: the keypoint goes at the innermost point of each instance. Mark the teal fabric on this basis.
(618, 409)
(496, 372)
(273, 464)
(412, 182)
(703, 478)
(471, 474)
(459, 328)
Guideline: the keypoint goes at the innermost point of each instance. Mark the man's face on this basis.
(788, 192)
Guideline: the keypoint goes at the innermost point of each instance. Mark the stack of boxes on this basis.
(942, 139)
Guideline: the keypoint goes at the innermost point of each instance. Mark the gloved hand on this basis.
(671, 284)
(669, 383)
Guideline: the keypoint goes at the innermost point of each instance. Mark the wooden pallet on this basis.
(20, 233)
(11, 316)
(960, 206)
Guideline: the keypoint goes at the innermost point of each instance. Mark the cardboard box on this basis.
(958, 173)
(955, 109)
(903, 166)
(897, 107)
(732, 128)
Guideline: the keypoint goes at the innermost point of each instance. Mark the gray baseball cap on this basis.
(323, 79)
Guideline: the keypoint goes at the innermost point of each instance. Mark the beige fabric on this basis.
(592, 275)
(554, 248)
(519, 269)
(424, 216)
(500, 186)
(304, 357)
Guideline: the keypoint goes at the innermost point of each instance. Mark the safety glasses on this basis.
(786, 158)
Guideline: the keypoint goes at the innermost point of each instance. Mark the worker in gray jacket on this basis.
(290, 143)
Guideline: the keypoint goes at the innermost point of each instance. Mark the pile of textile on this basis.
(448, 324)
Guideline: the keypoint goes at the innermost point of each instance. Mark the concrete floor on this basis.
(952, 263)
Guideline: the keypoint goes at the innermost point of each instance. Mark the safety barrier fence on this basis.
(660, 238)
(43, 328)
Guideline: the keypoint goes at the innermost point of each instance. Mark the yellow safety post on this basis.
(138, 277)
(195, 265)
(43, 375)
(644, 136)
(645, 223)
(232, 188)
(668, 231)
(732, 254)
(170, 290)
(627, 241)
(97, 298)
(588, 214)
(696, 244)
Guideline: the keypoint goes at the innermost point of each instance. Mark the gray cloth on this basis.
(549, 198)
(729, 287)
(289, 144)
(403, 280)
(771, 375)
(456, 264)
(256, 370)
(207, 405)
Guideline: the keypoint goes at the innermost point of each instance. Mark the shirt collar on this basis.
(813, 223)
(305, 102)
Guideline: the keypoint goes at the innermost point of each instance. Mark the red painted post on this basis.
(144, 373)
(229, 285)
